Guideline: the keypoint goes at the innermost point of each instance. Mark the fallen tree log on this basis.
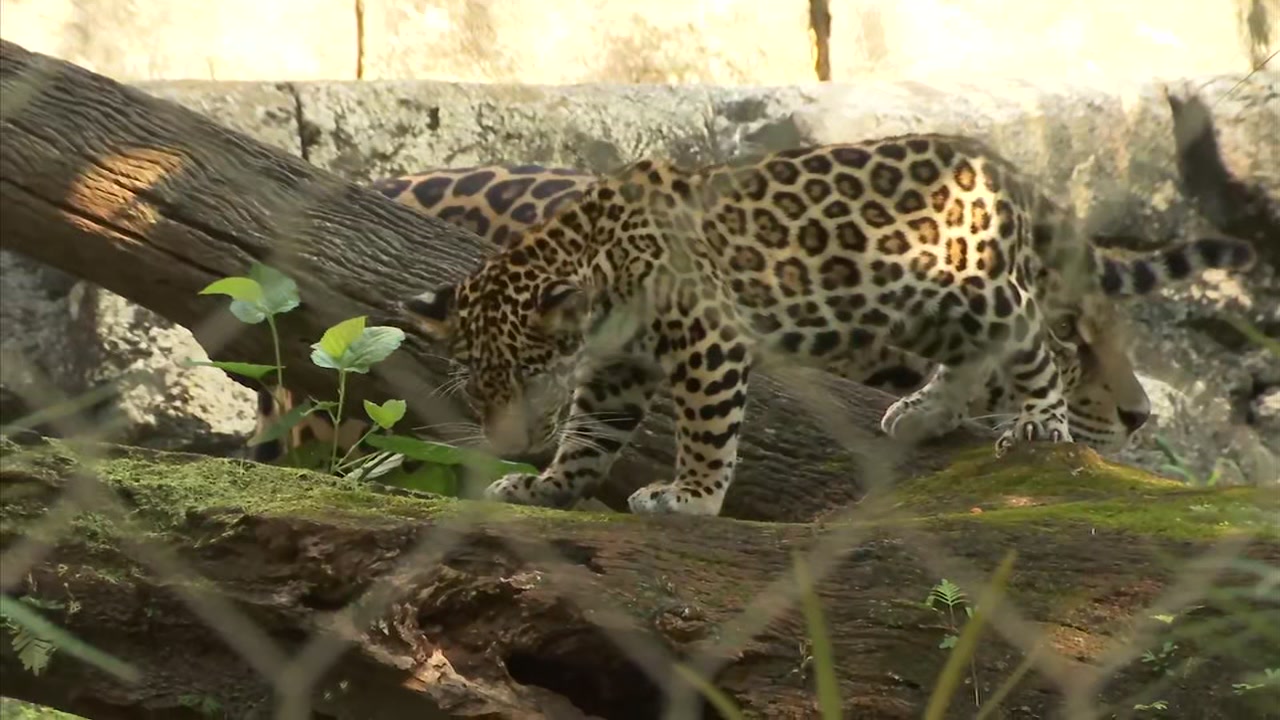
(153, 201)
(525, 613)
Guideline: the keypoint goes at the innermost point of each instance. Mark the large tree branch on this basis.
(543, 614)
(153, 201)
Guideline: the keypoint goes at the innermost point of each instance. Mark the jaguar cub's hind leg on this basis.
(608, 405)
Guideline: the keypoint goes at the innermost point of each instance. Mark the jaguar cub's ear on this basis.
(562, 307)
(433, 312)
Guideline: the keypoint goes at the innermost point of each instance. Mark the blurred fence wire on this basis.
(297, 676)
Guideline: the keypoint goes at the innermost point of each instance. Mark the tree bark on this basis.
(153, 202)
(519, 613)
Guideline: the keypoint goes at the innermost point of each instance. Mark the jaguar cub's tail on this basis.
(1144, 274)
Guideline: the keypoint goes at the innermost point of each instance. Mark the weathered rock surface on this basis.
(1113, 152)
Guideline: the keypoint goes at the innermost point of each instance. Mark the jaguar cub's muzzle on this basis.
(506, 429)
(523, 427)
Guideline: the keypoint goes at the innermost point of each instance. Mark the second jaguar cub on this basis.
(931, 244)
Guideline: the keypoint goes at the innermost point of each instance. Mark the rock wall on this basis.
(1112, 152)
(660, 41)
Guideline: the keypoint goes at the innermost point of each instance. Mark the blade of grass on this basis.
(967, 644)
(21, 614)
(824, 663)
(993, 703)
(721, 702)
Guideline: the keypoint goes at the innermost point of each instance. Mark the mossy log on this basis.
(482, 611)
(153, 201)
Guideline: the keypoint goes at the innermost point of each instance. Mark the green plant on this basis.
(260, 297)
(945, 597)
(1269, 677)
(1179, 466)
(1163, 657)
(350, 346)
(205, 705)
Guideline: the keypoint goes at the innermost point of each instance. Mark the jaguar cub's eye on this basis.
(1064, 328)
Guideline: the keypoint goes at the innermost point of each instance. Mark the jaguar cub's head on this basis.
(516, 332)
(1109, 404)
(1106, 403)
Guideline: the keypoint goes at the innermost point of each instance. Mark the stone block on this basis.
(588, 41)
(1090, 42)
(132, 40)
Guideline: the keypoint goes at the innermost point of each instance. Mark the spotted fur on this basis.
(930, 244)
(498, 203)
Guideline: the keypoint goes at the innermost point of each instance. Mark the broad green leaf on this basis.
(279, 291)
(372, 347)
(284, 424)
(489, 467)
(497, 468)
(416, 449)
(252, 371)
(438, 479)
(237, 288)
(387, 414)
(247, 312)
(333, 345)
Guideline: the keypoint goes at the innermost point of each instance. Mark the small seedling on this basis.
(945, 598)
(35, 639)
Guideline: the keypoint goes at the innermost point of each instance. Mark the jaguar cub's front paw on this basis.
(913, 419)
(1029, 428)
(526, 489)
(668, 498)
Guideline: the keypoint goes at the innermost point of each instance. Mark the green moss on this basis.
(1071, 483)
(1039, 485)
(166, 489)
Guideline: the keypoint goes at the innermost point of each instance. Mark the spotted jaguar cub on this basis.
(931, 244)
(498, 203)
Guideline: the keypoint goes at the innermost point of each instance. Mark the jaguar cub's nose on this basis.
(1133, 420)
(506, 432)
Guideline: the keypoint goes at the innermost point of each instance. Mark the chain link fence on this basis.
(1159, 646)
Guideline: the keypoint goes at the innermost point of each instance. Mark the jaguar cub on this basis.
(929, 244)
